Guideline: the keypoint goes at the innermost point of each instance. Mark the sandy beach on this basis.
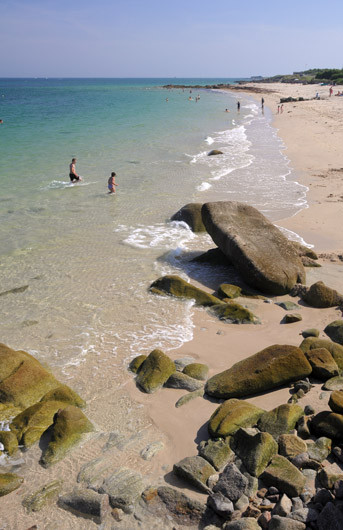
(312, 132)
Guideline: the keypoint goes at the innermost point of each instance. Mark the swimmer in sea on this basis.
(72, 171)
(111, 183)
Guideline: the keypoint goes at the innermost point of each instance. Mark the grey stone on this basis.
(124, 487)
(304, 515)
(283, 507)
(288, 305)
(42, 497)
(323, 496)
(242, 503)
(181, 363)
(195, 470)
(189, 397)
(180, 380)
(217, 452)
(191, 215)
(319, 450)
(335, 383)
(246, 523)
(87, 503)
(284, 523)
(330, 518)
(220, 504)
(232, 483)
(297, 504)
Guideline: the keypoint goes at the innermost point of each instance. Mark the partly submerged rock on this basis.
(319, 295)
(334, 330)
(280, 420)
(9, 482)
(335, 349)
(176, 286)
(86, 503)
(217, 452)
(255, 449)
(191, 215)
(215, 152)
(197, 371)
(46, 495)
(267, 369)
(124, 488)
(65, 394)
(69, 426)
(233, 313)
(214, 256)
(323, 364)
(264, 257)
(284, 476)
(231, 415)
(155, 371)
(196, 470)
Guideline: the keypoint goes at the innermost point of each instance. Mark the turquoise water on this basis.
(88, 257)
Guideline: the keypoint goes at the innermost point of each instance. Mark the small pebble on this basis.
(309, 410)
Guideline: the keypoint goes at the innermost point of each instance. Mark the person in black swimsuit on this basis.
(72, 171)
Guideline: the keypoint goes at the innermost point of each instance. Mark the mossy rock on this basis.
(155, 371)
(280, 420)
(227, 290)
(42, 497)
(9, 482)
(319, 295)
(231, 415)
(334, 330)
(181, 380)
(9, 441)
(69, 426)
(328, 424)
(255, 449)
(270, 368)
(335, 349)
(217, 452)
(335, 402)
(189, 397)
(288, 305)
(195, 470)
(23, 380)
(320, 449)
(310, 332)
(323, 364)
(290, 318)
(305, 251)
(215, 152)
(197, 371)
(308, 262)
(233, 313)
(136, 363)
(65, 394)
(335, 383)
(327, 478)
(291, 445)
(30, 424)
(284, 476)
(176, 286)
(191, 215)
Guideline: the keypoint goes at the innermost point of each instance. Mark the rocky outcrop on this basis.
(231, 415)
(191, 215)
(319, 295)
(155, 371)
(264, 257)
(267, 369)
(176, 286)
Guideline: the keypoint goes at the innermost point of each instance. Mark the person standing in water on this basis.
(72, 171)
(111, 183)
(238, 106)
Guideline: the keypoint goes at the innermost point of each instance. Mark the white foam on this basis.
(61, 184)
(164, 236)
(204, 186)
(209, 140)
(293, 236)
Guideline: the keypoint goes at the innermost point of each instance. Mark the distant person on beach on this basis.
(1, 122)
(227, 110)
(262, 103)
(111, 183)
(72, 171)
(330, 91)
(278, 109)
(238, 106)
(281, 108)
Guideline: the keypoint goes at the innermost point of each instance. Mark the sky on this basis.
(175, 38)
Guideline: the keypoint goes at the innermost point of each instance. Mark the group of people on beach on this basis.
(74, 177)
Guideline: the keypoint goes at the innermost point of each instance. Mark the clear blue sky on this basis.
(159, 38)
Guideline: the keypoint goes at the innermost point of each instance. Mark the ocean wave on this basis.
(209, 140)
(61, 184)
(164, 236)
(204, 186)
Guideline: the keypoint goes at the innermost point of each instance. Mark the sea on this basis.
(84, 258)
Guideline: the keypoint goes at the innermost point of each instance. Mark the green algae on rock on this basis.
(328, 424)
(183, 381)
(290, 318)
(255, 449)
(319, 295)
(323, 364)
(334, 330)
(272, 367)
(176, 286)
(233, 313)
(196, 370)
(69, 426)
(280, 420)
(217, 452)
(231, 415)
(284, 476)
(291, 445)
(9, 441)
(191, 215)
(336, 350)
(136, 363)
(189, 397)
(46, 495)
(310, 332)
(155, 371)
(227, 290)
(66, 394)
(9, 482)
(335, 402)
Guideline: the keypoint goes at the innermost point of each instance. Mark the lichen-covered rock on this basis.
(233, 313)
(255, 449)
(335, 349)
(232, 483)
(197, 371)
(334, 330)
(44, 496)
(334, 383)
(310, 332)
(227, 290)
(176, 286)
(323, 364)
(335, 402)
(196, 470)
(136, 363)
(9, 482)
(267, 369)
(290, 318)
(189, 397)
(23, 380)
(264, 257)
(155, 371)
(319, 295)
(181, 380)
(290, 446)
(328, 424)
(231, 415)
(9, 441)
(280, 420)
(191, 215)
(284, 476)
(30, 424)
(67, 430)
(320, 449)
(86, 503)
(65, 394)
(217, 452)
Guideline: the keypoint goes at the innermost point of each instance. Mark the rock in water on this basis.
(191, 215)
(267, 369)
(9, 482)
(124, 487)
(44, 496)
(176, 286)
(215, 152)
(155, 371)
(264, 257)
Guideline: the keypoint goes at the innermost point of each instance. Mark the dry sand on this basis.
(312, 133)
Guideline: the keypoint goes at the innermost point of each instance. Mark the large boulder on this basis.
(155, 371)
(264, 257)
(335, 402)
(176, 286)
(255, 449)
(280, 420)
(284, 476)
(319, 295)
(336, 350)
(272, 367)
(231, 415)
(334, 330)
(191, 215)
(67, 430)
(323, 364)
